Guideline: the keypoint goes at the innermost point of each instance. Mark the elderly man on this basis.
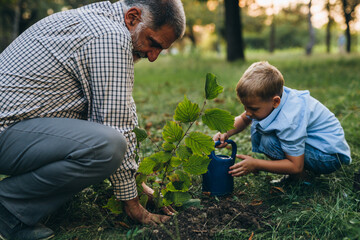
(66, 108)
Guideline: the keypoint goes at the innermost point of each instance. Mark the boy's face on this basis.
(257, 108)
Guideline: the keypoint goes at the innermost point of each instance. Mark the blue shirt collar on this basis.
(269, 119)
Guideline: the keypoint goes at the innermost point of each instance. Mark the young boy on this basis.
(287, 125)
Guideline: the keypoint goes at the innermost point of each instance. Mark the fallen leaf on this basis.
(256, 202)
(251, 236)
(241, 193)
(148, 125)
(218, 100)
(276, 189)
(122, 224)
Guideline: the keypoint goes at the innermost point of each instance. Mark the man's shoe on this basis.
(11, 228)
(8, 223)
(37, 232)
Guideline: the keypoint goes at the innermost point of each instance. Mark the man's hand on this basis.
(246, 166)
(150, 193)
(137, 212)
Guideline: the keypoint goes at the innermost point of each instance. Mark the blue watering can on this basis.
(217, 180)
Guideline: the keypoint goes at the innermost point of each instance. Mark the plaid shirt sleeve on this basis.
(108, 63)
(80, 62)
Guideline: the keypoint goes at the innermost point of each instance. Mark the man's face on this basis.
(148, 43)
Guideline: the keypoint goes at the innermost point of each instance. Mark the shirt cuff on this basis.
(124, 189)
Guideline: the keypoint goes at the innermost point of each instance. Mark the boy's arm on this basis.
(241, 122)
(290, 165)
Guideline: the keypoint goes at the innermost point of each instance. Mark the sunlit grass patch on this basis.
(326, 209)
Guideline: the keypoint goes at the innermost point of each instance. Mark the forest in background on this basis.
(227, 27)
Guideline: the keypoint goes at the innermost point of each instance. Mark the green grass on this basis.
(328, 209)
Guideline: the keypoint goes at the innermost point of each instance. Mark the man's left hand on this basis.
(150, 193)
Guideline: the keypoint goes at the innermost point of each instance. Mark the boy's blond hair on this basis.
(262, 80)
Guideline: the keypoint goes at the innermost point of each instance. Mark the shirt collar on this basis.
(269, 119)
(119, 10)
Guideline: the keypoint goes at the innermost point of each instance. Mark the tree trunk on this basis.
(328, 28)
(347, 15)
(233, 32)
(311, 43)
(272, 35)
(348, 37)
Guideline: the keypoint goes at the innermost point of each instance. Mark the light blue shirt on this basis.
(301, 119)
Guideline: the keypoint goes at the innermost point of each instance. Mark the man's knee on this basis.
(114, 148)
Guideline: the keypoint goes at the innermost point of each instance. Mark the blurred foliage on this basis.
(205, 23)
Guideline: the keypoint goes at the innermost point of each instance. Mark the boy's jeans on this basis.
(314, 160)
(48, 160)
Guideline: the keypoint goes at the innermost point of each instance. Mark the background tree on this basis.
(233, 31)
(292, 29)
(254, 26)
(311, 42)
(349, 15)
(197, 13)
(272, 31)
(328, 26)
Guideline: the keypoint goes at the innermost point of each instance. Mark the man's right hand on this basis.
(221, 137)
(137, 212)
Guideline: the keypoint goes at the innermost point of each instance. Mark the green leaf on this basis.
(140, 178)
(143, 199)
(180, 181)
(183, 152)
(161, 156)
(197, 164)
(114, 206)
(178, 198)
(212, 89)
(158, 199)
(140, 133)
(147, 165)
(172, 132)
(217, 119)
(200, 143)
(175, 161)
(192, 203)
(168, 147)
(186, 111)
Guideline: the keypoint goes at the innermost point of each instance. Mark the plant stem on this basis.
(177, 145)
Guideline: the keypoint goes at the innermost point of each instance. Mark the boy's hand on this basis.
(221, 137)
(246, 166)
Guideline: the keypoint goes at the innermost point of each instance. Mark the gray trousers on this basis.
(48, 160)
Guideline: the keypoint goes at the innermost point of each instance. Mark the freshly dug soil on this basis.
(214, 216)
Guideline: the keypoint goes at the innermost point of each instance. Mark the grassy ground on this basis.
(327, 209)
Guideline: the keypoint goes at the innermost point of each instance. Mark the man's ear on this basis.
(276, 101)
(132, 18)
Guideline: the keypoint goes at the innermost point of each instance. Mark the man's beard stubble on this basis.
(135, 34)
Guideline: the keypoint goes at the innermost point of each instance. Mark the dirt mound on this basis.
(212, 218)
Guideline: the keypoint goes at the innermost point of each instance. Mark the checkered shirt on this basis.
(75, 64)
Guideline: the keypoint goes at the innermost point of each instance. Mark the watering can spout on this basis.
(217, 179)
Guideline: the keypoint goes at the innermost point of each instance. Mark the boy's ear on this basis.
(132, 18)
(276, 101)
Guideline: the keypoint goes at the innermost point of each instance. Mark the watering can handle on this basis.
(233, 147)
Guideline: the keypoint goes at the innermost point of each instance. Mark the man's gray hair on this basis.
(157, 13)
